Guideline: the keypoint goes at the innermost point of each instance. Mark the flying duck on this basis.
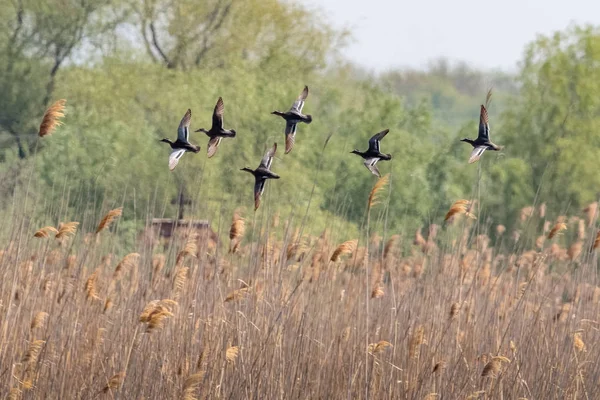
(292, 118)
(262, 173)
(217, 132)
(482, 143)
(373, 155)
(182, 144)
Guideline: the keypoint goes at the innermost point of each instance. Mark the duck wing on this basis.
(183, 132)
(484, 125)
(476, 153)
(259, 188)
(174, 158)
(299, 103)
(213, 144)
(290, 136)
(370, 164)
(268, 157)
(217, 119)
(374, 141)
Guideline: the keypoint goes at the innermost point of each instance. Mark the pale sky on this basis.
(488, 34)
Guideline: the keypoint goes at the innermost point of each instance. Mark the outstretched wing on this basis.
(484, 125)
(476, 153)
(268, 158)
(213, 143)
(374, 141)
(299, 103)
(290, 135)
(217, 120)
(370, 164)
(183, 132)
(174, 158)
(259, 188)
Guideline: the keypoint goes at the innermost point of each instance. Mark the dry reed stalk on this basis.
(109, 218)
(33, 352)
(578, 343)
(52, 116)
(190, 248)
(66, 228)
(556, 229)
(237, 294)
(232, 353)
(38, 320)
(581, 229)
(373, 196)
(191, 384)
(45, 232)
(14, 394)
(542, 210)
(416, 340)
(459, 207)
(115, 382)
(128, 262)
(347, 247)
(376, 348)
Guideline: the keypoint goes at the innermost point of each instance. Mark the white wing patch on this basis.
(174, 158)
(476, 153)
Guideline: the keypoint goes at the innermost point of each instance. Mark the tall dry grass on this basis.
(454, 314)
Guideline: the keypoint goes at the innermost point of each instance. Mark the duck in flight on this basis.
(217, 132)
(373, 155)
(482, 143)
(292, 118)
(182, 144)
(262, 173)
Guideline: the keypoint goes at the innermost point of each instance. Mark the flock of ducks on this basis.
(292, 118)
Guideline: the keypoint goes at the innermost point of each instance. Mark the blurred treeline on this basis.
(130, 69)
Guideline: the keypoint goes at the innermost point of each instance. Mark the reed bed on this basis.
(455, 314)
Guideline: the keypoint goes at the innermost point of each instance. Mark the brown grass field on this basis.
(277, 313)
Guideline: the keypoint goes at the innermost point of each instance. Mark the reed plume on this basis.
(115, 382)
(578, 343)
(109, 218)
(45, 232)
(376, 348)
(459, 207)
(591, 212)
(66, 228)
(596, 242)
(52, 116)
(236, 232)
(237, 294)
(556, 229)
(347, 247)
(191, 384)
(33, 351)
(492, 368)
(128, 262)
(38, 320)
(232, 353)
(90, 286)
(373, 196)
(190, 248)
(389, 246)
(417, 339)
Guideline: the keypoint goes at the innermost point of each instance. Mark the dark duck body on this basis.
(182, 144)
(373, 154)
(262, 173)
(483, 142)
(292, 118)
(217, 132)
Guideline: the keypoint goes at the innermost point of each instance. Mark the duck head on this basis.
(355, 151)
(247, 170)
(201, 130)
(471, 142)
(166, 141)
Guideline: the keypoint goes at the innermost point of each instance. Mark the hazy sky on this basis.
(487, 34)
